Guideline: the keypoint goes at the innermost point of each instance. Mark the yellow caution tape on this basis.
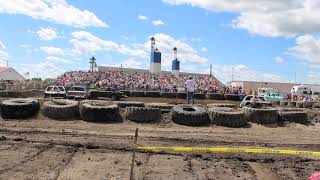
(228, 150)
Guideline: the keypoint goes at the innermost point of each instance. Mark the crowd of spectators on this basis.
(138, 81)
(234, 90)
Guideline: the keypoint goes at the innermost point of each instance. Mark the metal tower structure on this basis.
(93, 64)
(175, 62)
(155, 60)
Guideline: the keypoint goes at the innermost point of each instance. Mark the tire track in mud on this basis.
(22, 162)
(66, 164)
(175, 141)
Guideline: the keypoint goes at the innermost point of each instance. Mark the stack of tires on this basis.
(221, 105)
(124, 104)
(164, 107)
(19, 108)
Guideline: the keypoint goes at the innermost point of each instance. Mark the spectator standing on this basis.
(190, 86)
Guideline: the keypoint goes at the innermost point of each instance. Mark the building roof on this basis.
(2, 69)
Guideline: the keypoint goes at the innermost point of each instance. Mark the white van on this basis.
(306, 90)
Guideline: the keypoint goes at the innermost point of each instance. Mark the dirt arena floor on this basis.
(41, 148)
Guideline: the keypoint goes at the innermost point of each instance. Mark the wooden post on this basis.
(133, 153)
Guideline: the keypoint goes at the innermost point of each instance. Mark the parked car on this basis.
(249, 99)
(78, 92)
(55, 91)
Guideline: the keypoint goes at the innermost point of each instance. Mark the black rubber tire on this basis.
(136, 93)
(294, 116)
(283, 103)
(162, 106)
(19, 108)
(307, 104)
(142, 114)
(216, 96)
(222, 105)
(225, 109)
(234, 119)
(316, 105)
(197, 117)
(261, 116)
(168, 95)
(99, 112)
(151, 94)
(299, 104)
(124, 104)
(61, 109)
(199, 96)
(289, 109)
(292, 104)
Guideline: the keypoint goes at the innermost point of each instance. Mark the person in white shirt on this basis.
(190, 86)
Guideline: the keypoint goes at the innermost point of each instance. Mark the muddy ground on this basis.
(41, 148)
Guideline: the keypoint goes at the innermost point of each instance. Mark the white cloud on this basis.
(45, 69)
(129, 63)
(58, 11)
(2, 46)
(142, 17)
(279, 60)
(3, 55)
(242, 72)
(86, 43)
(266, 17)
(307, 49)
(58, 60)
(52, 50)
(204, 49)
(157, 22)
(47, 34)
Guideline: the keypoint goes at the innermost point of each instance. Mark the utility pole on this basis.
(93, 64)
(210, 69)
(7, 63)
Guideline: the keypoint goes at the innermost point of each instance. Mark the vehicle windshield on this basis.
(61, 88)
(49, 88)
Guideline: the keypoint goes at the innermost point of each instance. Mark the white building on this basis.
(8, 73)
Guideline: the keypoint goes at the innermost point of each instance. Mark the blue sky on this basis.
(261, 41)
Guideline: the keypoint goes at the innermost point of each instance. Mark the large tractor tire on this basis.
(222, 105)
(60, 109)
(161, 106)
(190, 115)
(227, 117)
(19, 108)
(124, 104)
(100, 112)
(142, 114)
(294, 116)
(266, 115)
